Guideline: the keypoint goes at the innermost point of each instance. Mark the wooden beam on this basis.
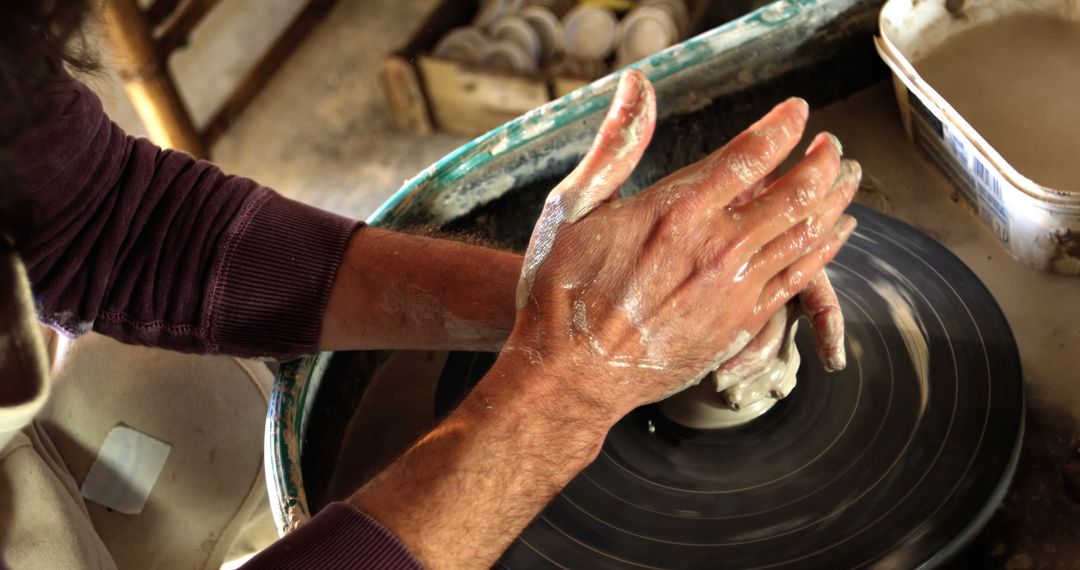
(174, 36)
(260, 75)
(148, 84)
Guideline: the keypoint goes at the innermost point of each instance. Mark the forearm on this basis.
(461, 495)
(396, 290)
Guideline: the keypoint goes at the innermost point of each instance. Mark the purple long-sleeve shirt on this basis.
(154, 247)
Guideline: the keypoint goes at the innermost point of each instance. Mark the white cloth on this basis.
(210, 410)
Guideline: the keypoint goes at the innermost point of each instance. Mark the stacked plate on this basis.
(510, 35)
(594, 33)
(526, 35)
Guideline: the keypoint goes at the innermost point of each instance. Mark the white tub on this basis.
(1037, 225)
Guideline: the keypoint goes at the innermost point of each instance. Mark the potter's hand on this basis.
(751, 374)
(621, 302)
(643, 296)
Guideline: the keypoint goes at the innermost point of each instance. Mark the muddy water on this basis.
(1017, 81)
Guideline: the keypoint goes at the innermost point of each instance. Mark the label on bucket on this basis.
(968, 169)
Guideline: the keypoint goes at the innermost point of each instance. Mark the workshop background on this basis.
(321, 131)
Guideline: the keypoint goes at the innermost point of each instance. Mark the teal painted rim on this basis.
(298, 381)
(590, 99)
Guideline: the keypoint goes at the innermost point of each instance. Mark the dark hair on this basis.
(37, 38)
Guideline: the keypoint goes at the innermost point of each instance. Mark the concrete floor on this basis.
(321, 131)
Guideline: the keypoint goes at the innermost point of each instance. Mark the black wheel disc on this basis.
(872, 465)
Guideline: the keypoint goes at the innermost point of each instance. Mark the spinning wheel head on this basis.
(898, 459)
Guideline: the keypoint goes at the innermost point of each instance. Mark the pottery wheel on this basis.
(866, 466)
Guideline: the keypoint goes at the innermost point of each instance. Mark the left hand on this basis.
(817, 302)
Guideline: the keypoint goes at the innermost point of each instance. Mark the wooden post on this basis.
(148, 84)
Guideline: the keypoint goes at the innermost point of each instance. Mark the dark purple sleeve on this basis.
(338, 537)
(154, 247)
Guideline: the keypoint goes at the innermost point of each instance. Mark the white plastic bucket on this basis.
(1037, 225)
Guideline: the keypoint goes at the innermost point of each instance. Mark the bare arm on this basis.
(397, 290)
(466, 490)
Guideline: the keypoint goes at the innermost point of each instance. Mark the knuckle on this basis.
(722, 259)
(794, 279)
(813, 229)
(674, 222)
(750, 155)
(745, 167)
(805, 190)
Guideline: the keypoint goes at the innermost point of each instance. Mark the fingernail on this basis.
(629, 90)
(849, 226)
(835, 142)
(850, 171)
(856, 170)
(836, 362)
(803, 106)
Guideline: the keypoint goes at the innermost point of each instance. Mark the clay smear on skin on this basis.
(416, 305)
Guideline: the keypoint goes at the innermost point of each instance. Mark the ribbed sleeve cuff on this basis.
(274, 278)
(338, 537)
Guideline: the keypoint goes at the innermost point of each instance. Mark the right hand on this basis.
(626, 301)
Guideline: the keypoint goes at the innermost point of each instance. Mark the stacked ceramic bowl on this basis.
(594, 32)
(512, 35)
(581, 37)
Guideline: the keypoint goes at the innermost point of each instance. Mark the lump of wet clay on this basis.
(727, 398)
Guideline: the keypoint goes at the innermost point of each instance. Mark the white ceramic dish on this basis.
(678, 11)
(548, 28)
(590, 33)
(508, 56)
(492, 10)
(465, 44)
(643, 32)
(515, 29)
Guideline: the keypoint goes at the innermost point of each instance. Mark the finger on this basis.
(754, 191)
(794, 278)
(616, 150)
(824, 138)
(803, 237)
(822, 307)
(794, 197)
(742, 162)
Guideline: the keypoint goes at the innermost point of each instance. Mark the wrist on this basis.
(534, 398)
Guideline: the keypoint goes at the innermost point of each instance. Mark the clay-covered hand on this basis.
(751, 374)
(626, 301)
